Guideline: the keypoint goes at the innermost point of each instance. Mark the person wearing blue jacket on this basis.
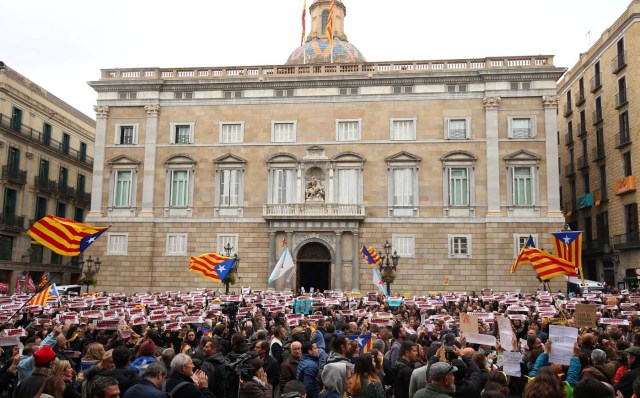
(308, 369)
(573, 373)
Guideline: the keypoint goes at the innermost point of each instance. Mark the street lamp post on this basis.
(234, 268)
(90, 271)
(388, 268)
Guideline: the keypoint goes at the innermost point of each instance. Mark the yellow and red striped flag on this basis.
(212, 266)
(304, 22)
(63, 236)
(545, 264)
(329, 29)
(45, 295)
(370, 255)
(568, 245)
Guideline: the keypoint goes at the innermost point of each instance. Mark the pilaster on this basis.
(337, 279)
(148, 181)
(272, 259)
(355, 266)
(550, 105)
(491, 106)
(102, 114)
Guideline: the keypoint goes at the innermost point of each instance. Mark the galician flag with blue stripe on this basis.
(379, 283)
(284, 264)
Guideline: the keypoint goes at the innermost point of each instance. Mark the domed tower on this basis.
(317, 48)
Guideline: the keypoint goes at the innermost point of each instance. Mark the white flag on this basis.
(284, 264)
(379, 283)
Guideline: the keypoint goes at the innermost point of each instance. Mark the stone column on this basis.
(337, 278)
(272, 257)
(97, 183)
(355, 267)
(149, 178)
(287, 284)
(550, 105)
(491, 105)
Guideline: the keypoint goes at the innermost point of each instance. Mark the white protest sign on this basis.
(511, 363)
(562, 338)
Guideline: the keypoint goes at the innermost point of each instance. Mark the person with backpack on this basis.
(215, 367)
(149, 386)
(184, 382)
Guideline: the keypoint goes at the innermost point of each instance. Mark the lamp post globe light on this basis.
(388, 268)
(231, 276)
(90, 271)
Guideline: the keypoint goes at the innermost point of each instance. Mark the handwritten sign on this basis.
(107, 324)
(585, 315)
(469, 323)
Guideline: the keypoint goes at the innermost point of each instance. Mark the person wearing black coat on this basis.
(184, 383)
(403, 368)
(269, 364)
(625, 384)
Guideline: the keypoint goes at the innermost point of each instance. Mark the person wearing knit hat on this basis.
(42, 359)
(146, 355)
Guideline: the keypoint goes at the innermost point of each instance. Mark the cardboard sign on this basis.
(469, 323)
(585, 315)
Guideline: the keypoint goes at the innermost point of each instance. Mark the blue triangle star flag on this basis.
(365, 344)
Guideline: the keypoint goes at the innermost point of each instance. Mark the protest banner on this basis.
(585, 315)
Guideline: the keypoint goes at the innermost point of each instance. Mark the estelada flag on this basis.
(45, 295)
(370, 255)
(546, 265)
(365, 344)
(568, 245)
(63, 236)
(212, 266)
(519, 260)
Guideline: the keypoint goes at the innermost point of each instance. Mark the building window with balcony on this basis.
(521, 127)
(282, 186)
(522, 183)
(123, 188)
(457, 128)
(283, 131)
(596, 82)
(403, 129)
(229, 182)
(403, 184)
(582, 126)
(66, 143)
(46, 134)
(224, 239)
(568, 107)
(348, 130)
(348, 178)
(126, 134)
(61, 210)
(580, 98)
(624, 137)
(626, 164)
(602, 171)
(181, 133)
(404, 245)
(13, 158)
(231, 132)
(82, 152)
(16, 119)
(459, 246)
(597, 114)
(78, 214)
(179, 185)
(631, 222)
(117, 243)
(176, 244)
(520, 240)
(41, 208)
(620, 60)
(458, 183)
(621, 97)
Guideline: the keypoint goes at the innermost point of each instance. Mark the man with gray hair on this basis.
(601, 370)
(149, 386)
(184, 382)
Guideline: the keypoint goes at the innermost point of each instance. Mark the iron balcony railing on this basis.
(17, 176)
(11, 221)
(623, 138)
(66, 191)
(12, 126)
(598, 153)
(43, 184)
(619, 62)
(626, 241)
(596, 83)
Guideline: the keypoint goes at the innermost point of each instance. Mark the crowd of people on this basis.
(265, 345)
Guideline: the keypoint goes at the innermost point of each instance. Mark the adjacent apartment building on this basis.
(46, 153)
(453, 162)
(599, 130)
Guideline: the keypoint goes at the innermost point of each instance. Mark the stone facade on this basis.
(46, 152)
(454, 162)
(599, 125)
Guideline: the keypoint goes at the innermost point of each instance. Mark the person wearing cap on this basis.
(442, 383)
(625, 385)
(43, 358)
(146, 355)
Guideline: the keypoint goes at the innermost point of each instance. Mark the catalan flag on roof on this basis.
(304, 22)
(63, 236)
(329, 29)
(212, 266)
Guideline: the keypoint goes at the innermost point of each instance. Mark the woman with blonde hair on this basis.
(64, 370)
(365, 382)
(53, 387)
(93, 355)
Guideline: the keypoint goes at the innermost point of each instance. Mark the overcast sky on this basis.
(60, 45)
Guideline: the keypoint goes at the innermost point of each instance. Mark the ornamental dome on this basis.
(318, 51)
(316, 48)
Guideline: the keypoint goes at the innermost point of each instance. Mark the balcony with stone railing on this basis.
(334, 211)
(270, 71)
(14, 175)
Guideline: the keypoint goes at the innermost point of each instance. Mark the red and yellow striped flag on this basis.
(546, 265)
(329, 29)
(63, 236)
(211, 266)
(45, 295)
(304, 22)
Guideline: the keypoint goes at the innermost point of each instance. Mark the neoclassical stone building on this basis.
(454, 162)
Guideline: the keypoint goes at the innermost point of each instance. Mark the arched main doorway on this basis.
(313, 267)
